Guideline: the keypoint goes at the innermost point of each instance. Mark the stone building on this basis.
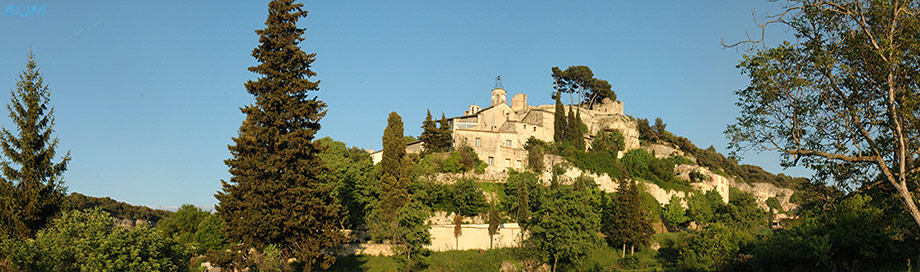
(498, 132)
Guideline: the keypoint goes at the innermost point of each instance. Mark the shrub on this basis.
(674, 214)
(608, 141)
(88, 241)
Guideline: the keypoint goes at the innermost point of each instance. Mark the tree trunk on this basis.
(623, 253)
(555, 260)
(490, 241)
(632, 250)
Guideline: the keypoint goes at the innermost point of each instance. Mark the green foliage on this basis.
(121, 210)
(673, 214)
(411, 236)
(467, 197)
(183, 223)
(495, 220)
(574, 131)
(525, 196)
(611, 141)
(394, 179)
(87, 241)
(32, 188)
(559, 122)
(774, 204)
(702, 207)
(854, 235)
(713, 249)
(535, 154)
(640, 164)
(274, 164)
(581, 79)
(354, 177)
(624, 221)
(650, 207)
(210, 234)
(741, 212)
(566, 225)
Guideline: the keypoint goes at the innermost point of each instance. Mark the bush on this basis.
(467, 198)
(608, 141)
(88, 241)
(713, 249)
(673, 214)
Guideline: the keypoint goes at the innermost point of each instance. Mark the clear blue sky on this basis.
(147, 93)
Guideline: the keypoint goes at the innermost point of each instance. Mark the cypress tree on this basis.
(394, 182)
(274, 195)
(431, 136)
(445, 138)
(32, 189)
(573, 135)
(559, 124)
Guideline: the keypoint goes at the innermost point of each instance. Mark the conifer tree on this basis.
(446, 139)
(559, 124)
(274, 195)
(573, 135)
(32, 189)
(431, 136)
(625, 224)
(394, 182)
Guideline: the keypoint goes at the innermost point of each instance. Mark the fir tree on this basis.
(274, 195)
(31, 186)
(559, 124)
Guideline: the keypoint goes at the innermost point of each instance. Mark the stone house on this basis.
(498, 133)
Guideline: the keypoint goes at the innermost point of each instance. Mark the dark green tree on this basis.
(31, 185)
(394, 180)
(559, 124)
(581, 79)
(566, 226)
(573, 131)
(430, 134)
(674, 214)
(274, 195)
(495, 220)
(625, 223)
(411, 236)
(524, 197)
(354, 176)
(182, 224)
(468, 199)
(445, 138)
(608, 141)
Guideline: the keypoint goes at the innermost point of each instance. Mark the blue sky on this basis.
(147, 93)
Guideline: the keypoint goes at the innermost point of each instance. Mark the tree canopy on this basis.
(843, 98)
(275, 194)
(32, 188)
(581, 79)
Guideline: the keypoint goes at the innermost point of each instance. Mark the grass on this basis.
(601, 258)
(464, 260)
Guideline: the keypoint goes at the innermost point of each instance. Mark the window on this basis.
(508, 143)
(534, 129)
(508, 162)
(478, 142)
(518, 164)
(491, 160)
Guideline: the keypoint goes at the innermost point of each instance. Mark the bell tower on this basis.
(498, 94)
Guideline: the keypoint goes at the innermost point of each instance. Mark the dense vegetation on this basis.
(117, 209)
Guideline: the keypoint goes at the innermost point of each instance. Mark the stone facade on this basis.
(498, 132)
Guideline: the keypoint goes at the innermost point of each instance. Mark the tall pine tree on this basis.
(31, 186)
(559, 124)
(274, 195)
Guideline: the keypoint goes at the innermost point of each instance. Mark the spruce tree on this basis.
(559, 124)
(274, 195)
(430, 134)
(32, 188)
